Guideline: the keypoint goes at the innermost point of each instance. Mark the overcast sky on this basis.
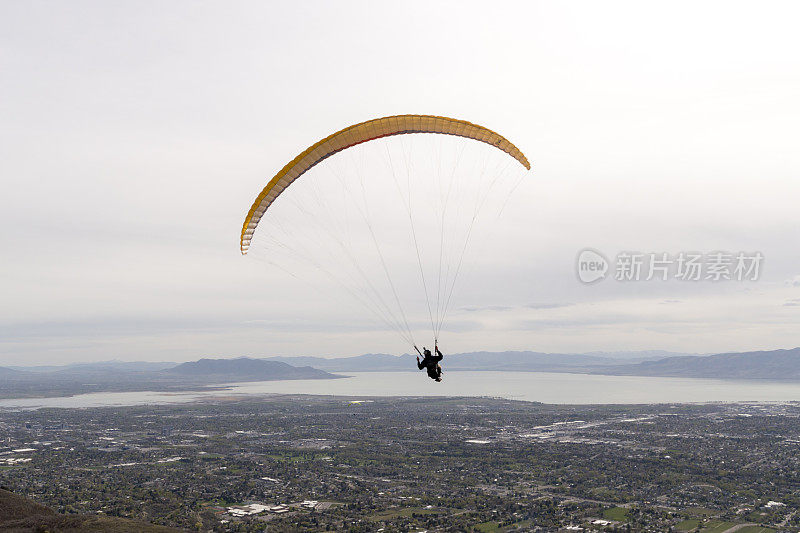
(135, 135)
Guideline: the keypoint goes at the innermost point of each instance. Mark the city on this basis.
(294, 463)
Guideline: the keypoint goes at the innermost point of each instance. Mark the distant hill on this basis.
(373, 362)
(775, 364)
(100, 366)
(122, 377)
(6, 372)
(250, 369)
(523, 361)
(22, 515)
(640, 355)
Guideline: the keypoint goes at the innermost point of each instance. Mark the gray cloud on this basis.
(487, 308)
(547, 305)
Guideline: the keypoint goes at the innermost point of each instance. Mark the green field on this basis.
(618, 514)
(755, 529)
(717, 526)
(687, 525)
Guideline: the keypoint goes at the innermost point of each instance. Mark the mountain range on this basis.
(775, 364)
(524, 361)
(244, 367)
(117, 376)
(100, 366)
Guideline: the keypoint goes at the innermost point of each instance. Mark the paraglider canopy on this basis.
(360, 133)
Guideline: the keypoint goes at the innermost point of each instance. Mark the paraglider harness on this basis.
(430, 362)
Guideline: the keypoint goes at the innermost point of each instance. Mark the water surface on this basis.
(543, 387)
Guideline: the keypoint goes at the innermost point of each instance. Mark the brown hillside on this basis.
(19, 514)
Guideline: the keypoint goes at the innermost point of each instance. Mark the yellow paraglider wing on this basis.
(360, 133)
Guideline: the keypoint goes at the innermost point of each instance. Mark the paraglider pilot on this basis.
(430, 362)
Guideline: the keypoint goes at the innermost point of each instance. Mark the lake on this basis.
(554, 388)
